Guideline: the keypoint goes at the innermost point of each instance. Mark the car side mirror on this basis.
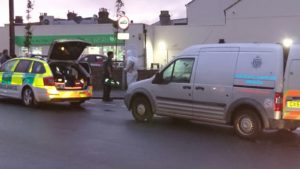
(157, 79)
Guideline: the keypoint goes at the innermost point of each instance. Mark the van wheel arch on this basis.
(251, 104)
(243, 107)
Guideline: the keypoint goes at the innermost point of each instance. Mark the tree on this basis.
(28, 30)
(119, 6)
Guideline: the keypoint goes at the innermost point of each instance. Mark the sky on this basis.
(140, 11)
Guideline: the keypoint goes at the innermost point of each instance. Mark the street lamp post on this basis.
(11, 28)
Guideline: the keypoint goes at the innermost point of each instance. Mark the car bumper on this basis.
(51, 94)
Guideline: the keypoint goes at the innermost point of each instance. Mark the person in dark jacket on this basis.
(4, 56)
(107, 74)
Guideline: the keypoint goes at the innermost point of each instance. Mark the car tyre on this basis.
(28, 98)
(247, 124)
(141, 109)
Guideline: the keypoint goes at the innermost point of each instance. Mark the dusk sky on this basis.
(137, 10)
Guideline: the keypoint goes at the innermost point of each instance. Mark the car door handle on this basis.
(187, 87)
(200, 88)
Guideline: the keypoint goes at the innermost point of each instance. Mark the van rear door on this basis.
(214, 82)
(291, 96)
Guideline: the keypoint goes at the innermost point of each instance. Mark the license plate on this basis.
(293, 104)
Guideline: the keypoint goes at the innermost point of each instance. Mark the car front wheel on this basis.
(141, 109)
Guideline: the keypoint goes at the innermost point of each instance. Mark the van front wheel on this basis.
(247, 124)
(141, 110)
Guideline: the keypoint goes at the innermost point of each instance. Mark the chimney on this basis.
(103, 16)
(19, 20)
(71, 15)
(165, 18)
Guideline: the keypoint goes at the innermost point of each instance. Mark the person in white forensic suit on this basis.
(131, 67)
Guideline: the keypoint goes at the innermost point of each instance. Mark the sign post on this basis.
(123, 23)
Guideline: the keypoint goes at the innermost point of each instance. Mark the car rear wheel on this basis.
(141, 109)
(28, 97)
(247, 124)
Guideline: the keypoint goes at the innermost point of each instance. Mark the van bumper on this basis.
(284, 124)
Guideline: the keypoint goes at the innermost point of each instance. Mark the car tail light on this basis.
(278, 102)
(49, 81)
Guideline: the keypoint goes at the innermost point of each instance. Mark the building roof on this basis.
(190, 3)
(181, 21)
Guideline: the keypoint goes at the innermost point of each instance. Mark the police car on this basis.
(55, 79)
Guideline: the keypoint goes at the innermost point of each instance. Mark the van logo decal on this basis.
(257, 62)
(254, 77)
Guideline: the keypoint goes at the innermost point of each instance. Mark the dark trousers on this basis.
(106, 92)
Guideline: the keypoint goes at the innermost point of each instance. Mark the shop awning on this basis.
(102, 39)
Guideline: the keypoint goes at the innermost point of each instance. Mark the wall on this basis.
(264, 8)
(4, 38)
(137, 43)
(207, 12)
(246, 22)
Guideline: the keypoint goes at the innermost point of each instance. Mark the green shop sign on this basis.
(93, 39)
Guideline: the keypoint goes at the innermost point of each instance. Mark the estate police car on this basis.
(55, 79)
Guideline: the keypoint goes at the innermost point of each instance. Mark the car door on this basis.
(213, 83)
(174, 94)
(6, 73)
(20, 76)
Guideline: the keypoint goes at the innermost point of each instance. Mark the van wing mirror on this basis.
(157, 79)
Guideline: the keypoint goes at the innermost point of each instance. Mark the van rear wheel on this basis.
(247, 124)
(141, 109)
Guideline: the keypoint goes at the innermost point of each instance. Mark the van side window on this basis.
(167, 74)
(38, 68)
(8, 66)
(23, 66)
(180, 71)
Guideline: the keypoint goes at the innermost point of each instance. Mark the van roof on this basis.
(232, 47)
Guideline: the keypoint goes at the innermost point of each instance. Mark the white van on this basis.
(250, 86)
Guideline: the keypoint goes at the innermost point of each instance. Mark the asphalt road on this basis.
(104, 136)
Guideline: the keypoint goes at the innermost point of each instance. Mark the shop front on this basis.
(102, 43)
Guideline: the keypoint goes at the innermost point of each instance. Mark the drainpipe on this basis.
(145, 45)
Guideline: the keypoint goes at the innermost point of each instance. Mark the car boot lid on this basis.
(66, 50)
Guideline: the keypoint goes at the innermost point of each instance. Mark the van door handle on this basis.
(187, 87)
(200, 88)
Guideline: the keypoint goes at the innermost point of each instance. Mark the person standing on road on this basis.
(107, 75)
(130, 68)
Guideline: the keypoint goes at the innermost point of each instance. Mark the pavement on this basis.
(115, 94)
